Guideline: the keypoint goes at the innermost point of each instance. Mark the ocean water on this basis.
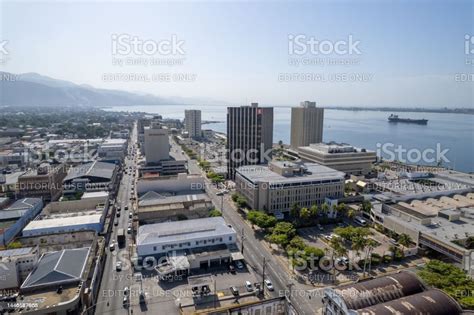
(447, 137)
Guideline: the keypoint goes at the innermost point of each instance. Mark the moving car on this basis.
(248, 286)
(125, 291)
(268, 284)
(234, 291)
(112, 246)
(118, 266)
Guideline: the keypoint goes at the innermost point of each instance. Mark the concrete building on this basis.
(87, 222)
(154, 207)
(45, 182)
(400, 293)
(192, 122)
(93, 176)
(276, 187)
(9, 183)
(157, 143)
(249, 136)
(14, 218)
(440, 223)
(173, 185)
(16, 265)
(342, 157)
(57, 283)
(306, 124)
(112, 150)
(160, 238)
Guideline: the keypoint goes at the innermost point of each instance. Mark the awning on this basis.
(237, 256)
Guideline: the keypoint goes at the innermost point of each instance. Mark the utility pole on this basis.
(263, 276)
(242, 238)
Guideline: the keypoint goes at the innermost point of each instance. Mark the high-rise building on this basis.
(157, 143)
(192, 122)
(306, 124)
(249, 136)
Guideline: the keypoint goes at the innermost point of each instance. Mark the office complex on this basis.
(342, 157)
(192, 123)
(249, 136)
(157, 143)
(306, 124)
(277, 187)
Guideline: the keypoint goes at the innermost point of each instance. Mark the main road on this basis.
(111, 294)
(306, 299)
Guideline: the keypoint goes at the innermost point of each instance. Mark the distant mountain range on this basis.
(33, 89)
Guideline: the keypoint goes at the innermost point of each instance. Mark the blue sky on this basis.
(411, 51)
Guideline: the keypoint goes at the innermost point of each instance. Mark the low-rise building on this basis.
(14, 218)
(178, 184)
(440, 223)
(113, 150)
(276, 187)
(84, 221)
(154, 207)
(16, 264)
(342, 157)
(400, 293)
(45, 182)
(9, 183)
(93, 176)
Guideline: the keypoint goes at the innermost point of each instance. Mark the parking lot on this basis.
(164, 295)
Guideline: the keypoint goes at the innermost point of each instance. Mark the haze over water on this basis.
(366, 129)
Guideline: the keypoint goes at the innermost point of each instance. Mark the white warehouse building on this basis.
(69, 224)
(160, 238)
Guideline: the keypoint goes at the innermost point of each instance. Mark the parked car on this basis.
(269, 285)
(248, 286)
(239, 264)
(235, 291)
(231, 268)
(320, 227)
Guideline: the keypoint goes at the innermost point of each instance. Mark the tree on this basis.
(351, 214)
(215, 213)
(325, 208)
(366, 206)
(451, 280)
(370, 245)
(314, 211)
(305, 214)
(404, 240)
(358, 244)
(14, 245)
(295, 210)
(282, 234)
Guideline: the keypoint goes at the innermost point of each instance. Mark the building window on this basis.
(154, 248)
(230, 238)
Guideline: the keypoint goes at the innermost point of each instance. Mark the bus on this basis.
(121, 237)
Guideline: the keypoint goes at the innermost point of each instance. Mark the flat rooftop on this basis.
(314, 172)
(63, 222)
(179, 231)
(334, 148)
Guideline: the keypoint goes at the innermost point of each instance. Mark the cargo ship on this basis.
(395, 119)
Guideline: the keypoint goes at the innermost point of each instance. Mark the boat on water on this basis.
(395, 119)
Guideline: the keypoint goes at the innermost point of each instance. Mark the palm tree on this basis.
(305, 214)
(314, 211)
(370, 245)
(295, 210)
(325, 208)
(404, 240)
(337, 249)
(358, 244)
(351, 214)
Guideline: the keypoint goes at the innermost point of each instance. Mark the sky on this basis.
(405, 53)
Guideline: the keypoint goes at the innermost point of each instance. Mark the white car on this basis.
(248, 286)
(118, 266)
(125, 291)
(268, 284)
(112, 246)
(129, 230)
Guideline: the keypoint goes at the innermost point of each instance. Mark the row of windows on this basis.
(188, 244)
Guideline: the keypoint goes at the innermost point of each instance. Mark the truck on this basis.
(121, 237)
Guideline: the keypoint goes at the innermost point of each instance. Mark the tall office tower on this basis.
(192, 122)
(249, 136)
(157, 143)
(306, 124)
